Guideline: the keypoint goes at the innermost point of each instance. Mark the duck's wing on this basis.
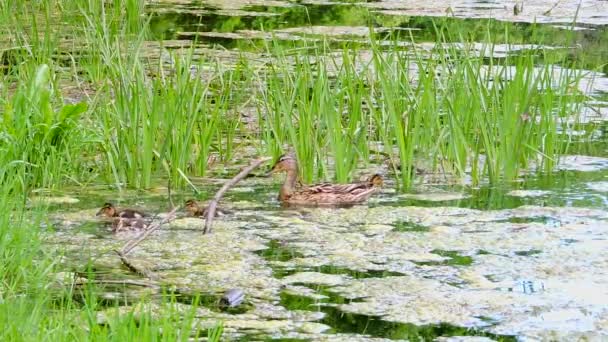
(336, 188)
(131, 213)
(355, 195)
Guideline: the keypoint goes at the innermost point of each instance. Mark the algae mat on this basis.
(379, 271)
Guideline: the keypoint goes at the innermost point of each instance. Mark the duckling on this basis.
(321, 194)
(109, 210)
(196, 210)
(123, 224)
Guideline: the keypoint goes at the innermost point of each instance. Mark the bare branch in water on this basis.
(131, 282)
(136, 269)
(218, 196)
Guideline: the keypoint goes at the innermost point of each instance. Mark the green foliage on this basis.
(167, 124)
(466, 116)
(37, 141)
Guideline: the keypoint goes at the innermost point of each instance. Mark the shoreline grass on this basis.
(464, 113)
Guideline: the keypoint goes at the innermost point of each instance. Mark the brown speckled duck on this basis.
(109, 210)
(193, 208)
(321, 194)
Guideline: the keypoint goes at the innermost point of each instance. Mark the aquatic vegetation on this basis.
(490, 120)
(94, 92)
(38, 142)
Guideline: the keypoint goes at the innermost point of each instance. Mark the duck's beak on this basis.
(99, 212)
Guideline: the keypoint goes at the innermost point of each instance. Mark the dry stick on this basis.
(169, 193)
(135, 269)
(218, 196)
(120, 282)
(548, 12)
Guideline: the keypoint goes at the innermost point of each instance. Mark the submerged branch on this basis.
(131, 282)
(218, 196)
(136, 269)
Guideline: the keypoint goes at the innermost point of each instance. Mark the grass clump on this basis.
(451, 107)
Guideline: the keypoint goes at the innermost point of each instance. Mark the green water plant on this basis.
(40, 138)
(460, 113)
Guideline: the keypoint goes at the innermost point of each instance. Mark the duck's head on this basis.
(376, 180)
(191, 206)
(107, 210)
(286, 163)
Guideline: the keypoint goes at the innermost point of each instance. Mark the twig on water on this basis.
(548, 12)
(136, 269)
(125, 282)
(169, 193)
(218, 196)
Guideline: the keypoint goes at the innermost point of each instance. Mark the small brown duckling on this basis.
(196, 210)
(122, 224)
(109, 210)
(375, 180)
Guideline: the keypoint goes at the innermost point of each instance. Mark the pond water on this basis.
(498, 264)
(450, 262)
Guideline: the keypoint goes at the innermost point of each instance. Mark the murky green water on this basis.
(523, 260)
(392, 269)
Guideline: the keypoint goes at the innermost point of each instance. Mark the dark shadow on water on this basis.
(375, 326)
(278, 251)
(546, 220)
(528, 252)
(408, 226)
(566, 189)
(281, 251)
(281, 272)
(455, 259)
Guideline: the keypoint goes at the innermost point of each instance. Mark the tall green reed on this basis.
(460, 112)
(313, 107)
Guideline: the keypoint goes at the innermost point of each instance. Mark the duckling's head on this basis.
(107, 210)
(191, 206)
(286, 163)
(376, 180)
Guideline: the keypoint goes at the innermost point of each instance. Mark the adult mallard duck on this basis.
(321, 194)
(109, 210)
(123, 224)
(193, 208)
